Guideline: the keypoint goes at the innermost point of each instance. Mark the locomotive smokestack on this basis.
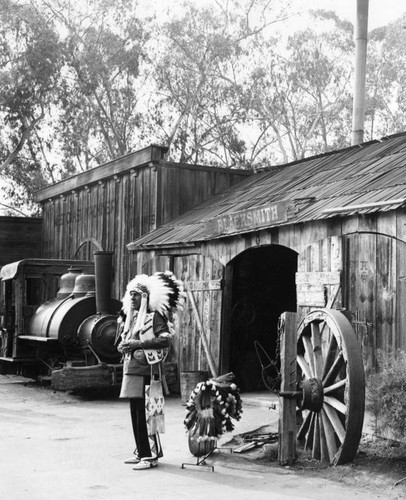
(103, 269)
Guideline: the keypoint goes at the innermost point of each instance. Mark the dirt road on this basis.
(60, 446)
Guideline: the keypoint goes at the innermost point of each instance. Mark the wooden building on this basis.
(20, 238)
(111, 205)
(325, 231)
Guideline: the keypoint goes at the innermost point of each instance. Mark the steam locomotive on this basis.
(58, 321)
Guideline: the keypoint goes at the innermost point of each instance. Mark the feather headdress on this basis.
(165, 292)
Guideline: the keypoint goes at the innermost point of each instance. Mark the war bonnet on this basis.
(164, 292)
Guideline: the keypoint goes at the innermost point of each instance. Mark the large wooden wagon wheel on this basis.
(332, 382)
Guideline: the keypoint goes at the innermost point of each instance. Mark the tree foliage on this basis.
(30, 60)
(385, 92)
(199, 76)
(103, 48)
(225, 84)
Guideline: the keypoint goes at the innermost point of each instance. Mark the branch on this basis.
(27, 130)
(44, 155)
(185, 111)
(400, 481)
(17, 210)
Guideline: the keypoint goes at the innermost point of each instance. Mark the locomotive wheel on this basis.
(331, 377)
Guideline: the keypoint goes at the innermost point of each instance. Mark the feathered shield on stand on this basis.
(211, 408)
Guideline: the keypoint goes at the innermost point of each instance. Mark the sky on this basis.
(381, 12)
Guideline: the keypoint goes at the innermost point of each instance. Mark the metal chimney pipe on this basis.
(103, 270)
(361, 39)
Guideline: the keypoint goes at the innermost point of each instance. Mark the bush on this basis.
(387, 394)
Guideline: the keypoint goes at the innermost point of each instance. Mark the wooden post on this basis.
(287, 405)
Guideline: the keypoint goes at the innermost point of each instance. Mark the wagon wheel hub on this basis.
(312, 395)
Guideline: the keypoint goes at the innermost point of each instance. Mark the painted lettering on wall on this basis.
(65, 215)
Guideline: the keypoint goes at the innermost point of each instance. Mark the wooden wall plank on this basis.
(366, 295)
(386, 282)
(400, 341)
(20, 238)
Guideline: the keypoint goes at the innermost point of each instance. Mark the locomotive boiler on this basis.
(67, 331)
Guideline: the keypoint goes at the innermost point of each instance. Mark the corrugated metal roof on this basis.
(367, 178)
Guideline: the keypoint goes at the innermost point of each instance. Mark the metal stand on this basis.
(201, 461)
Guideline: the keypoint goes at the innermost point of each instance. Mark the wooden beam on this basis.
(287, 405)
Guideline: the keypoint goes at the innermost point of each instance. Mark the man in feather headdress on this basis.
(146, 333)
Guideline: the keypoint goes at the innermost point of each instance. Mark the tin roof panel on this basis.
(367, 178)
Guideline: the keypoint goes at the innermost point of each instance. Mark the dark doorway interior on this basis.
(263, 287)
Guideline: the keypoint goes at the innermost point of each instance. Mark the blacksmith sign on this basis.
(247, 220)
(313, 287)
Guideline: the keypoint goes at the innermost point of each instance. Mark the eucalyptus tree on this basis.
(202, 75)
(70, 85)
(301, 88)
(30, 62)
(100, 117)
(385, 111)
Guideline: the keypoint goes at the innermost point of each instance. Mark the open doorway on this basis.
(262, 287)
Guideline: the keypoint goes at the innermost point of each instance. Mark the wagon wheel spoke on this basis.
(330, 436)
(316, 452)
(309, 354)
(309, 436)
(338, 427)
(330, 353)
(304, 366)
(338, 385)
(330, 368)
(335, 403)
(303, 429)
(334, 369)
(317, 352)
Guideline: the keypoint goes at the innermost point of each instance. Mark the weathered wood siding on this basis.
(375, 293)
(187, 186)
(20, 238)
(109, 213)
(102, 216)
(323, 256)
